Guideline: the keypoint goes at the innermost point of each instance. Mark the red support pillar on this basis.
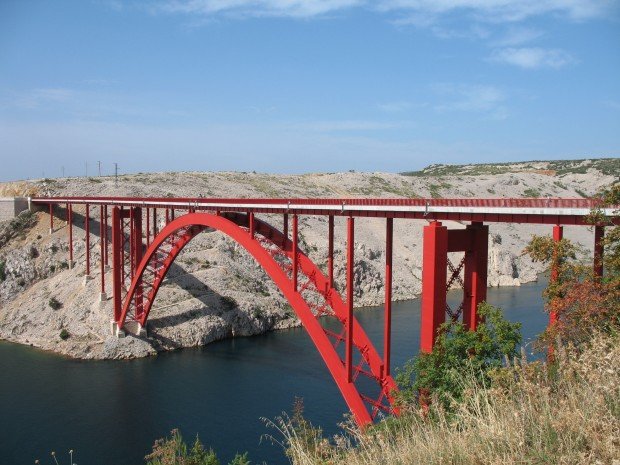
(122, 245)
(558, 234)
(105, 235)
(117, 261)
(330, 250)
(87, 230)
(387, 326)
(51, 218)
(285, 229)
(434, 266)
(70, 222)
(350, 280)
(132, 243)
(172, 214)
(599, 234)
(136, 241)
(102, 251)
(476, 271)
(167, 216)
(295, 250)
(148, 226)
(252, 225)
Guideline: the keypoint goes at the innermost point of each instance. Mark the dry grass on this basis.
(534, 414)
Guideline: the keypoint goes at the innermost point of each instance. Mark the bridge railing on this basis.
(417, 202)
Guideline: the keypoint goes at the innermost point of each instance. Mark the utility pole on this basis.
(116, 174)
(63, 171)
(99, 166)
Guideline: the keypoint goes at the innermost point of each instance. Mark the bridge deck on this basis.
(541, 210)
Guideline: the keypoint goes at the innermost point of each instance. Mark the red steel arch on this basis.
(312, 299)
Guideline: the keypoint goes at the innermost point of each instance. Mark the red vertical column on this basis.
(330, 250)
(105, 235)
(136, 240)
(252, 225)
(154, 223)
(172, 214)
(434, 265)
(70, 222)
(117, 261)
(102, 252)
(285, 230)
(167, 216)
(51, 218)
(599, 234)
(87, 230)
(348, 357)
(387, 325)
(122, 250)
(132, 242)
(148, 227)
(295, 250)
(476, 271)
(558, 234)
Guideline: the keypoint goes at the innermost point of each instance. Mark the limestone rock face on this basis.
(215, 289)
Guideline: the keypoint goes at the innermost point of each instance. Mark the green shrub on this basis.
(174, 451)
(2, 271)
(459, 353)
(64, 334)
(240, 459)
(531, 192)
(54, 304)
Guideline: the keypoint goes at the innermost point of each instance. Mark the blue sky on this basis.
(304, 85)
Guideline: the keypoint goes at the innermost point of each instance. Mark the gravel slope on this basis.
(196, 305)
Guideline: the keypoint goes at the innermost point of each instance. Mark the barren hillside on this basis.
(216, 290)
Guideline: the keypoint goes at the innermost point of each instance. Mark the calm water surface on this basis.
(110, 412)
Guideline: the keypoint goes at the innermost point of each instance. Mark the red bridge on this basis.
(142, 255)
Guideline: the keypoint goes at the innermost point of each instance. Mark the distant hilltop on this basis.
(607, 166)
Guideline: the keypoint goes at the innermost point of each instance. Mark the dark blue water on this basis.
(111, 411)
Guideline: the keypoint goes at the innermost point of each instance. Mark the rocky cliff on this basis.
(215, 289)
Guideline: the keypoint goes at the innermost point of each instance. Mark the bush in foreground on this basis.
(534, 413)
(173, 450)
(457, 352)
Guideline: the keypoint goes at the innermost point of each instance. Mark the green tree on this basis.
(583, 303)
(459, 352)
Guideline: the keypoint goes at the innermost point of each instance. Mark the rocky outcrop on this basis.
(216, 290)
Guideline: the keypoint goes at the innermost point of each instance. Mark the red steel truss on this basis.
(142, 254)
(311, 299)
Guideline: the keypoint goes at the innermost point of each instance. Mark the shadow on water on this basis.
(112, 411)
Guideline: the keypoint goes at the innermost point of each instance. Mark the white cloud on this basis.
(412, 11)
(38, 97)
(471, 98)
(518, 36)
(501, 10)
(258, 8)
(534, 57)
